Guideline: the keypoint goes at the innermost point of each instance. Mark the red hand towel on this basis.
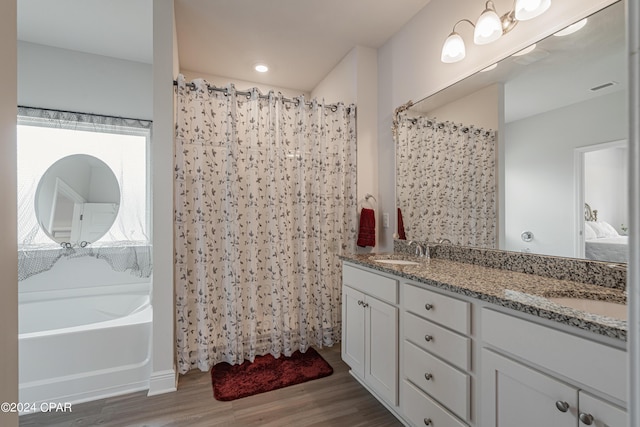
(367, 234)
(401, 234)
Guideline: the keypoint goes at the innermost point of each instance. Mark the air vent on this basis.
(602, 86)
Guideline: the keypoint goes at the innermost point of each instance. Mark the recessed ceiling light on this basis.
(572, 28)
(525, 50)
(489, 68)
(261, 68)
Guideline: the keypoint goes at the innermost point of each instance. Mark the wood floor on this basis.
(337, 400)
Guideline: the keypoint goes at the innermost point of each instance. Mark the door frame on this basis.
(579, 187)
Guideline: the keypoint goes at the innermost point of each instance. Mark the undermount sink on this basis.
(396, 261)
(602, 308)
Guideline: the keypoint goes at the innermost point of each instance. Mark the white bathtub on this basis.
(84, 344)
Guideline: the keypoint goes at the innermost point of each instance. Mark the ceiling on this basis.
(300, 40)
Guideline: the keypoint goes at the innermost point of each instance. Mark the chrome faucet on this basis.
(443, 241)
(420, 250)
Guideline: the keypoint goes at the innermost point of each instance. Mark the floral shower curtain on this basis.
(447, 181)
(265, 196)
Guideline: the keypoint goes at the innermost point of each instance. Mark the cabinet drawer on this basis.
(441, 381)
(593, 364)
(420, 409)
(446, 311)
(448, 345)
(378, 286)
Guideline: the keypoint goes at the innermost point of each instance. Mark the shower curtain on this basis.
(265, 201)
(446, 181)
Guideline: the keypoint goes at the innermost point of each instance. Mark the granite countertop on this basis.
(524, 292)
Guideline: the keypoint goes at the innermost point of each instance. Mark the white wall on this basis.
(354, 81)
(62, 79)
(540, 190)
(8, 212)
(221, 81)
(479, 109)
(409, 66)
(605, 184)
(163, 373)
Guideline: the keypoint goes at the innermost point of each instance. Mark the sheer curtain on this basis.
(46, 136)
(265, 195)
(447, 181)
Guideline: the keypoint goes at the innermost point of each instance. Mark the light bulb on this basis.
(453, 49)
(488, 28)
(529, 9)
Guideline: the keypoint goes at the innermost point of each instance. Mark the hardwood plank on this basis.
(337, 400)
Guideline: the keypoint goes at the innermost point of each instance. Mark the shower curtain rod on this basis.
(441, 125)
(224, 90)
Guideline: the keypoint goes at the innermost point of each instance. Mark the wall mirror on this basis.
(77, 199)
(559, 112)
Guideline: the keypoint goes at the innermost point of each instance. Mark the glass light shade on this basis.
(453, 49)
(529, 9)
(488, 28)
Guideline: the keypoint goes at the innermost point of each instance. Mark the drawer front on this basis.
(378, 286)
(444, 383)
(574, 357)
(448, 345)
(444, 310)
(421, 410)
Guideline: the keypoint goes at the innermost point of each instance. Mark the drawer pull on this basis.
(562, 406)
(428, 338)
(428, 306)
(427, 421)
(428, 376)
(360, 302)
(586, 419)
(365, 305)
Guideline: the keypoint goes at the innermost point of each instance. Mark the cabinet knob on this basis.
(428, 306)
(428, 338)
(365, 305)
(427, 421)
(428, 376)
(586, 419)
(360, 302)
(562, 406)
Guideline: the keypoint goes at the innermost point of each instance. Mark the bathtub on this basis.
(84, 344)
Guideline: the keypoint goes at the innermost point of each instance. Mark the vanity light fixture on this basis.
(490, 26)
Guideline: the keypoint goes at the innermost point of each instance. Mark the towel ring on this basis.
(366, 200)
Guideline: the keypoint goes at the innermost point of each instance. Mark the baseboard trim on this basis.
(162, 382)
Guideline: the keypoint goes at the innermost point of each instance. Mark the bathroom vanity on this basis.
(442, 342)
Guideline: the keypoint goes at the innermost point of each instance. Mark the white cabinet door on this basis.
(353, 330)
(516, 395)
(598, 413)
(381, 360)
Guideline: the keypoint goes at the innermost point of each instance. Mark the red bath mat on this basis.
(266, 373)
